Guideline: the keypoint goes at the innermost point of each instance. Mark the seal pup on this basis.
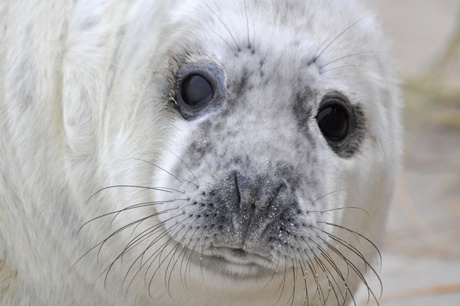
(193, 152)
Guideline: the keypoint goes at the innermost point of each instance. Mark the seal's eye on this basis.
(196, 90)
(199, 89)
(333, 120)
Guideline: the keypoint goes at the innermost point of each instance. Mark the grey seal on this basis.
(193, 152)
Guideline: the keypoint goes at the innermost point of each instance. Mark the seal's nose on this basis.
(255, 200)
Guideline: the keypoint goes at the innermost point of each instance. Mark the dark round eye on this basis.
(333, 121)
(196, 90)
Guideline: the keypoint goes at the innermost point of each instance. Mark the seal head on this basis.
(279, 161)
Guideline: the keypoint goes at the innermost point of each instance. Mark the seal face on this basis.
(260, 182)
(256, 174)
(195, 152)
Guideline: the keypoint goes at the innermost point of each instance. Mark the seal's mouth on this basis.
(236, 262)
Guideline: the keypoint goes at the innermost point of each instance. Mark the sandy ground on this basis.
(421, 256)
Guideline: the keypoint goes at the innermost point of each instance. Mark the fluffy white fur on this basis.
(82, 107)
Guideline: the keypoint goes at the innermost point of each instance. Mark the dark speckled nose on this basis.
(255, 201)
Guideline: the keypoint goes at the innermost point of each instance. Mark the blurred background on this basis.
(421, 256)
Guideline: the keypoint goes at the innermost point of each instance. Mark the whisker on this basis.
(247, 22)
(273, 275)
(164, 170)
(117, 212)
(339, 67)
(322, 48)
(130, 246)
(300, 160)
(319, 289)
(343, 208)
(179, 244)
(175, 234)
(225, 41)
(140, 258)
(304, 276)
(165, 189)
(315, 277)
(163, 247)
(134, 206)
(156, 166)
(325, 195)
(346, 56)
(144, 235)
(169, 268)
(331, 262)
(150, 231)
(146, 205)
(302, 263)
(201, 253)
(294, 277)
(187, 249)
(126, 226)
(282, 283)
(355, 233)
(101, 243)
(153, 256)
(354, 250)
(353, 267)
(312, 269)
(253, 33)
(226, 27)
(188, 267)
(139, 238)
(180, 159)
(328, 274)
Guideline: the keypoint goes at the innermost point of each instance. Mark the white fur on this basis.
(82, 108)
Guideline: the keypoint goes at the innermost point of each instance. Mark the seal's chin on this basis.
(236, 263)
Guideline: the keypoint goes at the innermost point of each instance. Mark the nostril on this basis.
(270, 190)
(237, 188)
(281, 185)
